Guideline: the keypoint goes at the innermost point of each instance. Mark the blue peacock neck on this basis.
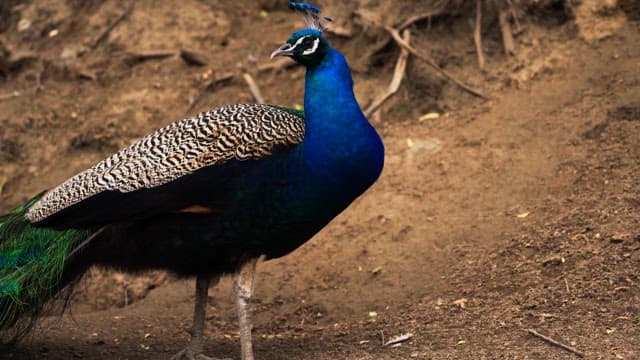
(340, 144)
(329, 100)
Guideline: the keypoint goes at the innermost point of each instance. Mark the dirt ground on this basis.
(521, 212)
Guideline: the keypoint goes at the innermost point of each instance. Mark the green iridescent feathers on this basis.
(296, 112)
(31, 265)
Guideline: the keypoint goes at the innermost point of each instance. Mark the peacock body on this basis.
(204, 195)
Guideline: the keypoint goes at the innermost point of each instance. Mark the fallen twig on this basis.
(134, 57)
(507, 35)
(104, 33)
(209, 84)
(398, 75)
(477, 34)
(426, 58)
(253, 87)
(229, 75)
(556, 343)
(193, 58)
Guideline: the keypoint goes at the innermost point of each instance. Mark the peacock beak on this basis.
(284, 50)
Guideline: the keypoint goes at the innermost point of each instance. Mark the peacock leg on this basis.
(194, 350)
(243, 287)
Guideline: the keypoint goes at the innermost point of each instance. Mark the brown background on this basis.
(521, 212)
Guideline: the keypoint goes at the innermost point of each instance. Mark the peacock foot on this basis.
(190, 354)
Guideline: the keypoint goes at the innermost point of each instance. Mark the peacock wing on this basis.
(167, 156)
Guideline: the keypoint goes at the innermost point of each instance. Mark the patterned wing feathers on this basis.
(243, 131)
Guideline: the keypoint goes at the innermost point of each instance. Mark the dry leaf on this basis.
(399, 339)
(461, 302)
(429, 116)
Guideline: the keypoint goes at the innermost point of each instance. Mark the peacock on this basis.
(206, 196)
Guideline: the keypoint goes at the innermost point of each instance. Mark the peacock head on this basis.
(308, 47)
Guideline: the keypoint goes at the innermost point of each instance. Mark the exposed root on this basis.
(477, 35)
(398, 75)
(426, 58)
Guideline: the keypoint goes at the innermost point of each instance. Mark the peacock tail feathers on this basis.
(31, 265)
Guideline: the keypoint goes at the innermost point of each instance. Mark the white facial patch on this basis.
(299, 41)
(313, 49)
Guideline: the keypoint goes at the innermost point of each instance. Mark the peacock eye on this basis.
(307, 42)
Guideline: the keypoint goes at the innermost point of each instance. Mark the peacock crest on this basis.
(310, 14)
